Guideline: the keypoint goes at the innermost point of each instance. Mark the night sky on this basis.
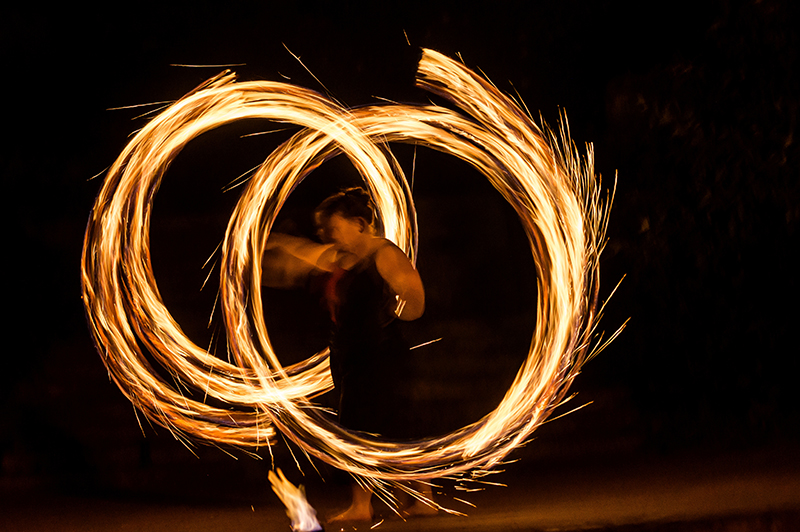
(691, 105)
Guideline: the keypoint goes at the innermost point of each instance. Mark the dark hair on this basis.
(351, 203)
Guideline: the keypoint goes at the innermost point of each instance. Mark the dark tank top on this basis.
(368, 353)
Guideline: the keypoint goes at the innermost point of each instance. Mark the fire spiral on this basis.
(537, 170)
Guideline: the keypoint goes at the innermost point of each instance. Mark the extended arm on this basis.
(289, 260)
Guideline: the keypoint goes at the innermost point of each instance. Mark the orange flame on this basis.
(302, 514)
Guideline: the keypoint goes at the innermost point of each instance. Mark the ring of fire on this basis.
(540, 173)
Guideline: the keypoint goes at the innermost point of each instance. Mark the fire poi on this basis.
(538, 170)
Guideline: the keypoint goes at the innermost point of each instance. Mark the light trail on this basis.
(537, 170)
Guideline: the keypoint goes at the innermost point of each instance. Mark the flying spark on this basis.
(537, 170)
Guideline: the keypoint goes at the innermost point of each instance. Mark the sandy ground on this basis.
(737, 492)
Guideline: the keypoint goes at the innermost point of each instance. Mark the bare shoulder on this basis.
(395, 266)
(390, 256)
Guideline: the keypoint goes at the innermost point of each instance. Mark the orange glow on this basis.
(537, 170)
(302, 514)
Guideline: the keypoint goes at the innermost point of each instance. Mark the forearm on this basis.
(298, 247)
(288, 261)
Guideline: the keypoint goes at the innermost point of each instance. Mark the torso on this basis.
(367, 349)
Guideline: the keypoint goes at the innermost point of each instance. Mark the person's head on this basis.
(345, 216)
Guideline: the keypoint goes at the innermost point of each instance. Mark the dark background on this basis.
(693, 104)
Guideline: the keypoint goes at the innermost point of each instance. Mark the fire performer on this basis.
(368, 283)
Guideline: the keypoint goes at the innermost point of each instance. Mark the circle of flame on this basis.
(537, 170)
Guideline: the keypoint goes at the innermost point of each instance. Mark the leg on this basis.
(419, 508)
(360, 507)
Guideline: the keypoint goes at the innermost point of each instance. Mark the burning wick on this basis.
(302, 514)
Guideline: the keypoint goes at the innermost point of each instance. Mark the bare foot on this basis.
(419, 509)
(353, 514)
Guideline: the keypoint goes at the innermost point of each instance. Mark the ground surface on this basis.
(737, 492)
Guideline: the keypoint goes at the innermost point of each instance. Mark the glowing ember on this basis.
(538, 171)
(302, 514)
